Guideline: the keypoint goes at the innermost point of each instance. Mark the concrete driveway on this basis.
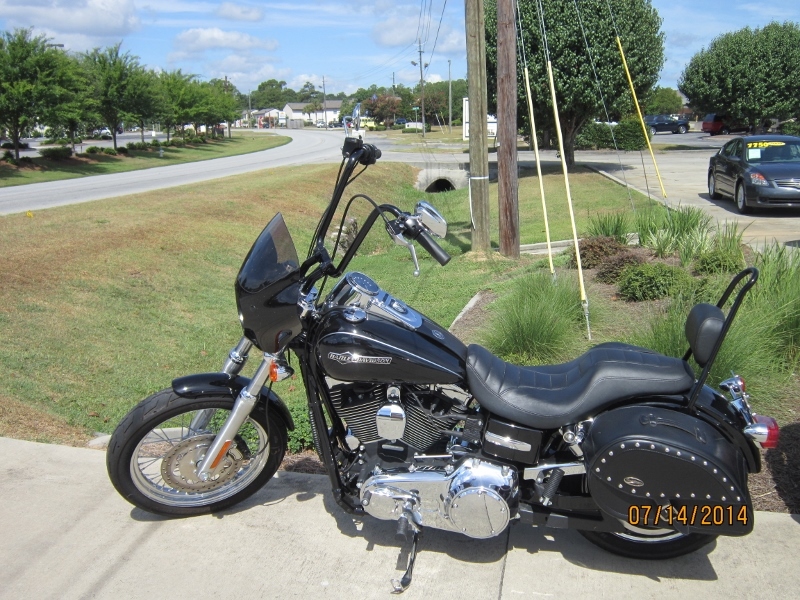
(67, 534)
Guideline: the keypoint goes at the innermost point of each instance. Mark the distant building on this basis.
(296, 115)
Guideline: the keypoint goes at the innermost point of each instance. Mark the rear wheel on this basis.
(655, 544)
(154, 455)
(652, 131)
(724, 131)
(682, 129)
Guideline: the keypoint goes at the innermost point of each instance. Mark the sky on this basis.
(348, 44)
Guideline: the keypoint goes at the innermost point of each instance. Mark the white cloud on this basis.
(239, 12)
(395, 31)
(201, 39)
(93, 18)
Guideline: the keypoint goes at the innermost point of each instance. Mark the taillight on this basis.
(764, 430)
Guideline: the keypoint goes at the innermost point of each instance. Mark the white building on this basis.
(296, 113)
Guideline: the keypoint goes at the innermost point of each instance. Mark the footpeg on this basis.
(402, 585)
(551, 487)
(401, 535)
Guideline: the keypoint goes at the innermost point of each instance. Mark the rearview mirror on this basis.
(431, 219)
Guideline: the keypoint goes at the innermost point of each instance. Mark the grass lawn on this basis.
(102, 164)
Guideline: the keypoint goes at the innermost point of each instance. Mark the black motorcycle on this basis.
(624, 444)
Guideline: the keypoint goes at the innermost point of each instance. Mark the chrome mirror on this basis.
(431, 219)
(352, 123)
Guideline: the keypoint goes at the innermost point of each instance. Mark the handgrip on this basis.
(369, 154)
(434, 249)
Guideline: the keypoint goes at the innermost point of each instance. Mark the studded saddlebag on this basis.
(641, 456)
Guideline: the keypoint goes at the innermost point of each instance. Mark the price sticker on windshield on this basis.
(764, 144)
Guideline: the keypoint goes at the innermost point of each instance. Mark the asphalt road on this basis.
(307, 146)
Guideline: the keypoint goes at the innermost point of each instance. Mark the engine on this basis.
(416, 457)
(421, 417)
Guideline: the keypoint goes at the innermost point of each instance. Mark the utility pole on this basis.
(478, 151)
(324, 103)
(229, 121)
(449, 99)
(249, 110)
(422, 88)
(507, 176)
(394, 95)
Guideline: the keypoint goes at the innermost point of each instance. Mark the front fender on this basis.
(202, 384)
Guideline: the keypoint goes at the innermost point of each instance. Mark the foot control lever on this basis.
(404, 524)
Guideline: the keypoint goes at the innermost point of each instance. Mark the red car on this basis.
(720, 124)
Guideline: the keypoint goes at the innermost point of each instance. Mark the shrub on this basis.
(596, 136)
(10, 145)
(122, 150)
(302, 437)
(398, 127)
(539, 321)
(155, 143)
(594, 250)
(651, 281)
(614, 225)
(93, 150)
(791, 128)
(8, 156)
(611, 268)
(57, 153)
(26, 159)
(109, 151)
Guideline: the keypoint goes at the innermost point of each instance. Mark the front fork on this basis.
(271, 367)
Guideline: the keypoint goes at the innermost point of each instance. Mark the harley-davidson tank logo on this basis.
(348, 358)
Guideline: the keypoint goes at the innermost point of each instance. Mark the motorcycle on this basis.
(623, 444)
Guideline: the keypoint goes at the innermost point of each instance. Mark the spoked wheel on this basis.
(648, 544)
(155, 452)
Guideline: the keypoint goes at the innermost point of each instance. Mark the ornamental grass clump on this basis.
(613, 225)
(539, 321)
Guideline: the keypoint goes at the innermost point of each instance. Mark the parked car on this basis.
(321, 124)
(714, 123)
(401, 121)
(669, 123)
(757, 171)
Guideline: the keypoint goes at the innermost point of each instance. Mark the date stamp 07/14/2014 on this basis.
(704, 515)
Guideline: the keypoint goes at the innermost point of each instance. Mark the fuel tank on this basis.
(356, 345)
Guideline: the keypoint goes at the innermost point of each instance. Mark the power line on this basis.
(436, 39)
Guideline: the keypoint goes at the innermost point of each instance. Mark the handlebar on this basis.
(435, 250)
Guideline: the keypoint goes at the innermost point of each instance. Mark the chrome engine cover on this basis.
(477, 499)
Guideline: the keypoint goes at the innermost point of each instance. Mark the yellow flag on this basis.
(29, 214)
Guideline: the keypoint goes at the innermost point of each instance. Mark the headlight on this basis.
(758, 179)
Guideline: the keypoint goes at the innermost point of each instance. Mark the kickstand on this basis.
(402, 585)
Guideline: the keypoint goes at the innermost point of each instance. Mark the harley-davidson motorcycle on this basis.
(624, 444)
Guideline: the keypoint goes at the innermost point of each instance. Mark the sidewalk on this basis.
(67, 534)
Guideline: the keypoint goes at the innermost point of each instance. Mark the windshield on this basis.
(267, 288)
(770, 151)
(272, 256)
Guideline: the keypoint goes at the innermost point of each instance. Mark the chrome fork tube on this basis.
(236, 360)
(241, 410)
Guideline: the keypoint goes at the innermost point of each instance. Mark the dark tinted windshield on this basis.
(768, 151)
(272, 257)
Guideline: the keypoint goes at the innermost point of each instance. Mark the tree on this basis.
(663, 101)
(111, 73)
(748, 74)
(639, 28)
(76, 106)
(143, 100)
(34, 80)
(314, 106)
(174, 88)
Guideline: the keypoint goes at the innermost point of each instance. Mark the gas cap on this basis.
(353, 314)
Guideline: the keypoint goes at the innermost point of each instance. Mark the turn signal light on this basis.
(772, 430)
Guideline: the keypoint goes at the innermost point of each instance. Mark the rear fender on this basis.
(204, 384)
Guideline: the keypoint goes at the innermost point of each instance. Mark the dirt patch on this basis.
(23, 422)
(468, 324)
(304, 462)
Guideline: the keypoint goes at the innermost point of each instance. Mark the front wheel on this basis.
(652, 131)
(649, 545)
(682, 129)
(712, 187)
(741, 200)
(154, 454)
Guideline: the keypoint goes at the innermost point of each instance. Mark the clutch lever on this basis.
(395, 230)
